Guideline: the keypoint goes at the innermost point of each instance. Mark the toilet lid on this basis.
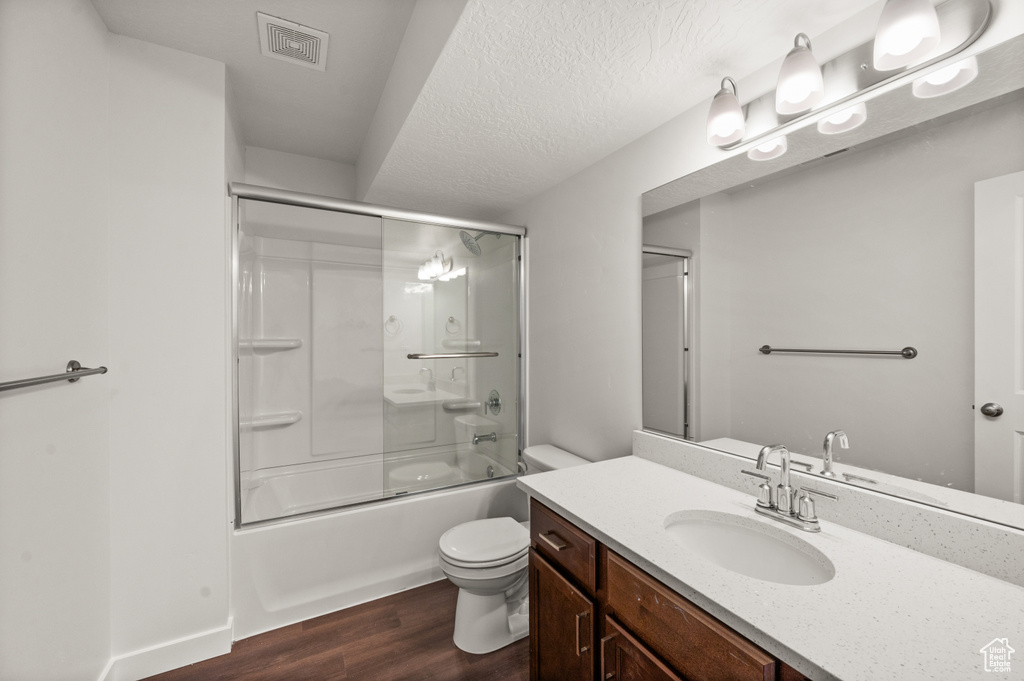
(485, 541)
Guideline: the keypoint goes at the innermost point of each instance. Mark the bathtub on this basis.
(293, 570)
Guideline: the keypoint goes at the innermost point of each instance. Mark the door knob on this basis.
(991, 409)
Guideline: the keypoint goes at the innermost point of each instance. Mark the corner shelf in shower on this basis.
(270, 344)
(259, 421)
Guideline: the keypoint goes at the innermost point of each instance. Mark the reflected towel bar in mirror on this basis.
(450, 355)
(73, 372)
(907, 352)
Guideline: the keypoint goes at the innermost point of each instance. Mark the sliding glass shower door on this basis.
(375, 357)
(451, 356)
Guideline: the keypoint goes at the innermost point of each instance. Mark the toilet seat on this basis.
(486, 543)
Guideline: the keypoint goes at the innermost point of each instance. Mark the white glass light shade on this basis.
(946, 80)
(422, 274)
(801, 86)
(773, 148)
(844, 120)
(725, 119)
(907, 31)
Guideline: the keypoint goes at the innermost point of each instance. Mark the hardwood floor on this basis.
(404, 637)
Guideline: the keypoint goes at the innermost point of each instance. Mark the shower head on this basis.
(470, 241)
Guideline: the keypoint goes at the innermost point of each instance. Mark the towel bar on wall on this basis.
(907, 352)
(73, 372)
(450, 355)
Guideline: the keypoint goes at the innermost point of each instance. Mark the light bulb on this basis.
(907, 31)
(725, 119)
(773, 148)
(421, 273)
(946, 80)
(844, 120)
(801, 86)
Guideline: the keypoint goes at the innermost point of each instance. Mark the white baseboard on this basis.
(157, 659)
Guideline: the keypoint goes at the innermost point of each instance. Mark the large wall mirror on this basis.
(905, 232)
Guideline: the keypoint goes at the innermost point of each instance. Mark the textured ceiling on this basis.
(282, 106)
(529, 92)
(524, 94)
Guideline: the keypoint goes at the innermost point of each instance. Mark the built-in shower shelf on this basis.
(285, 418)
(270, 344)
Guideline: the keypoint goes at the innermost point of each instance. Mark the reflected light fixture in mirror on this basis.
(844, 120)
(725, 119)
(800, 86)
(773, 148)
(946, 80)
(907, 31)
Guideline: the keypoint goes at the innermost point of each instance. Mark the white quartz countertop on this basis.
(889, 612)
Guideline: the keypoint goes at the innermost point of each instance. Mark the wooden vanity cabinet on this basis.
(594, 616)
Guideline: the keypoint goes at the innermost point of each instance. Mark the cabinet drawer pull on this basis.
(580, 650)
(605, 674)
(553, 540)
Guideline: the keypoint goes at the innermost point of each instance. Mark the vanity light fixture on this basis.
(907, 31)
(844, 120)
(725, 119)
(801, 86)
(773, 148)
(946, 80)
(907, 38)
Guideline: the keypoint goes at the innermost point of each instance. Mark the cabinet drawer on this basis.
(564, 545)
(693, 642)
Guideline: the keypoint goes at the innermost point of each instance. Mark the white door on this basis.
(999, 337)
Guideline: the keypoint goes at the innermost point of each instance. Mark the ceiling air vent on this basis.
(291, 42)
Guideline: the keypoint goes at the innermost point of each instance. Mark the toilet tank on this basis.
(540, 458)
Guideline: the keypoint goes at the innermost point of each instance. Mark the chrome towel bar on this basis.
(73, 372)
(450, 355)
(907, 352)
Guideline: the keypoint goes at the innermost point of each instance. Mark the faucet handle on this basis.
(806, 507)
(764, 490)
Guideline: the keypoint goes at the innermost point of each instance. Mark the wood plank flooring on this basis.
(404, 637)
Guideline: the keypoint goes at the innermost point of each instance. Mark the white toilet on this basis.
(488, 559)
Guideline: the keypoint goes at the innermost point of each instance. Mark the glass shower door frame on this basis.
(272, 195)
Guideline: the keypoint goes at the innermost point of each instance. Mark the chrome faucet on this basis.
(784, 497)
(431, 384)
(826, 453)
(780, 505)
(453, 379)
(490, 437)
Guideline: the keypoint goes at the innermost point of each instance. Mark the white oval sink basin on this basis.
(750, 547)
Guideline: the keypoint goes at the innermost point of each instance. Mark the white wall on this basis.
(585, 237)
(54, 490)
(281, 170)
(168, 335)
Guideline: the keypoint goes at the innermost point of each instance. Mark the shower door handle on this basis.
(450, 355)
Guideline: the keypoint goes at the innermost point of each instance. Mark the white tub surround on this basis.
(292, 571)
(889, 612)
(979, 545)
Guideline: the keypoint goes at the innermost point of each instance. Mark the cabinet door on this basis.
(561, 626)
(623, 658)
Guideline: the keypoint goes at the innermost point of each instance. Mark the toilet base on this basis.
(484, 624)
